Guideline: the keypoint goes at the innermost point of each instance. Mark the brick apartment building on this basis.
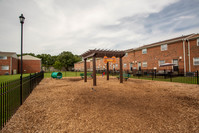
(79, 66)
(30, 64)
(182, 51)
(10, 63)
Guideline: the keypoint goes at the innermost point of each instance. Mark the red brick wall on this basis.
(14, 65)
(80, 66)
(5, 63)
(194, 50)
(154, 54)
(30, 66)
(100, 65)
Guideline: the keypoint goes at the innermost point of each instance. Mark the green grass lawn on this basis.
(182, 79)
(4, 78)
(64, 74)
(190, 80)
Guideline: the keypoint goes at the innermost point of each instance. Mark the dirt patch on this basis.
(189, 101)
(70, 105)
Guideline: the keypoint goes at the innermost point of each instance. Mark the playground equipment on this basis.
(57, 75)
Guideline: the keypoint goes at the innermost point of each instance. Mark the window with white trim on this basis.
(196, 61)
(116, 65)
(125, 65)
(4, 67)
(198, 42)
(144, 64)
(161, 62)
(3, 57)
(126, 54)
(144, 51)
(164, 47)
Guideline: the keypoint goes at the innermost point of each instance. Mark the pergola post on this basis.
(94, 71)
(107, 66)
(121, 71)
(85, 70)
(102, 53)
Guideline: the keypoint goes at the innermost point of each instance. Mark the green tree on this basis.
(77, 58)
(57, 65)
(67, 59)
(47, 59)
(32, 54)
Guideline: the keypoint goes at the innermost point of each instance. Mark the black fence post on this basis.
(6, 102)
(21, 101)
(164, 74)
(30, 84)
(35, 80)
(3, 117)
(197, 77)
(171, 76)
(8, 98)
(1, 105)
(152, 74)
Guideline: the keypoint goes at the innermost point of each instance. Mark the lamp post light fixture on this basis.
(21, 18)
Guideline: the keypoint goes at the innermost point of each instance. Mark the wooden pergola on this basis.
(101, 53)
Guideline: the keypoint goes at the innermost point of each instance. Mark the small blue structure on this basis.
(57, 75)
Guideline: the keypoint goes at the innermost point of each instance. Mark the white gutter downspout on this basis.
(10, 65)
(184, 58)
(189, 54)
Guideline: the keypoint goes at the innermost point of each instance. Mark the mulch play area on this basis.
(70, 105)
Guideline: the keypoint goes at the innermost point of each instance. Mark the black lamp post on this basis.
(22, 18)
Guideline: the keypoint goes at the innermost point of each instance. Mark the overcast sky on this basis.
(53, 26)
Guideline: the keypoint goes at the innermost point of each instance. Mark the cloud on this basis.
(53, 26)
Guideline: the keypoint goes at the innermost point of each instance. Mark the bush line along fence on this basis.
(11, 98)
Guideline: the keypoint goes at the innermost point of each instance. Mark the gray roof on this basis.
(177, 39)
(29, 57)
(9, 54)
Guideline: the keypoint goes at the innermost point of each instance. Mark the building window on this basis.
(161, 62)
(198, 42)
(3, 57)
(144, 51)
(125, 65)
(175, 61)
(126, 54)
(196, 61)
(163, 47)
(116, 65)
(144, 64)
(4, 67)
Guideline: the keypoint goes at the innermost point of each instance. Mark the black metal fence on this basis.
(167, 75)
(10, 99)
(161, 75)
